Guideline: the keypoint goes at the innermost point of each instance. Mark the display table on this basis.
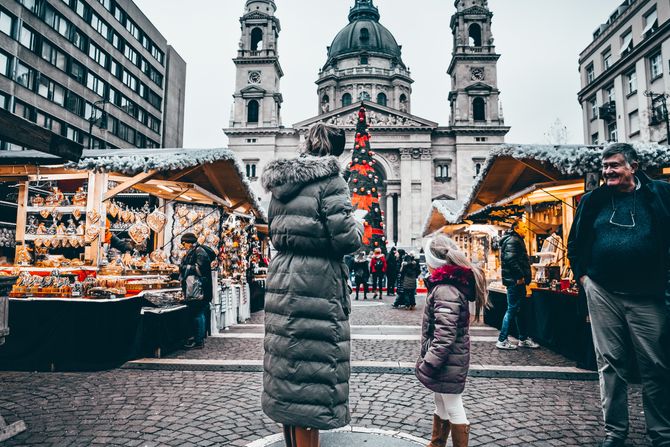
(163, 329)
(557, 320)
(70, 334)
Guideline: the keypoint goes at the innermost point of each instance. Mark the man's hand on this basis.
(520, 282)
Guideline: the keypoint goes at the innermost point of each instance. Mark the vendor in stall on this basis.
(196, 263)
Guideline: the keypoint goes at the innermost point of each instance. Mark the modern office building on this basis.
(418, 160)
(625, 75)
(91, 67)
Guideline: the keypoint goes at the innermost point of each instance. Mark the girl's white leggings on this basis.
(449, 407)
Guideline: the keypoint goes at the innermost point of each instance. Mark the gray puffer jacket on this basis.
(307, 304)
(445, 335)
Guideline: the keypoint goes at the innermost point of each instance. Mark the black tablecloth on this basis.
(70, 334)
(166, 330)
(557, 320)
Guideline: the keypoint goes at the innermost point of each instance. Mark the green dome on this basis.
(364, 33)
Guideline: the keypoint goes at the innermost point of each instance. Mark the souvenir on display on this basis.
(197, 229)
(52, 229)
(37, 201)
(92, 233)
(41, 228)
(201, 239)
(45, 213)
(139, 232)
(55, 198)
(182, 211)
(80, 229)
(79, 198)
(113, 209)
(192, 216)
(39, 242)
(127, 216)
(77, 214)
(31, 228)
(157, 256)
(71, 229)
(156, 221)
(60, 229)
(23, 255)
(93, 216)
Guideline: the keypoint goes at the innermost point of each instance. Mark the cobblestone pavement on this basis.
(176, 408)
(483, 353)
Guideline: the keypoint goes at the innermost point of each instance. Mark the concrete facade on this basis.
(628, 56)
(65, 62)
(418, 160)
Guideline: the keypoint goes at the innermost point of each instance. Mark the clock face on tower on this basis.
(477, 74)
(254, 77)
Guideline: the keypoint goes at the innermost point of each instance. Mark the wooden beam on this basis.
(214, 180)
(183, 173)
(21, 217)
(139, 178)
(79, 176)
(22, 132)
(213, 197)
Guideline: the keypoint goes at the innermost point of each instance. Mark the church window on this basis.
(442, 173)
(256, 39)
(478, 164)
(381, 99)
(365, 34)
(475, 32)
(346, 99)
(250, 166)
(479, 109)
(403, 103)
(325, 99)
(364, 60)
(252, 111)
(364, 96)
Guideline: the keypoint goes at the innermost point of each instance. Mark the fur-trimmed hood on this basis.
(285, 177)
(460, 277)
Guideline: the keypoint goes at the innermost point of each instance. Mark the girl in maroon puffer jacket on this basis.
(445, 341)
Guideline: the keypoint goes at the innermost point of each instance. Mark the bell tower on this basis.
(474, 97)
(257, 98)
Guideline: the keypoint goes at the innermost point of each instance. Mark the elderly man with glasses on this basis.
(618, 250)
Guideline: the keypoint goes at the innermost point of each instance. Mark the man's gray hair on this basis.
(629, 153)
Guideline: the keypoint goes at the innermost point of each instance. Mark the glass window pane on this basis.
(4, 64)
(6, 23)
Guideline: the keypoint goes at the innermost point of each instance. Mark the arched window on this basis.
(325, 99)
(403, 103)
(256, 39)
(252, 111)
(475, 32)
(479, 109)
(365, 34)
(381, 99)
(346, 99)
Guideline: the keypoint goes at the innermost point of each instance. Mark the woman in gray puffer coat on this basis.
(445, 341)
(307, 302)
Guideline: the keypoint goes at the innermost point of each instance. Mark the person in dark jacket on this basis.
(515, 276)
(391, 272)
(378, 270)
(307, 304)
(409, 273)
(400, 254)
(444, 362)
(196, 262)
(618, 251)
(361, 273)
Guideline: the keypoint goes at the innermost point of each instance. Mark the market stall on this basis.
(103, 234)
(542, 186)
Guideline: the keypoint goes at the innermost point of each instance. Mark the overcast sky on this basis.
(539, 40)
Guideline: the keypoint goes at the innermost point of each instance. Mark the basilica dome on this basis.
(364, 34)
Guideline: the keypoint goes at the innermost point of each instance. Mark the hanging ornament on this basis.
(355, 189)
(355, 180)
(374, 189)
(358, 146)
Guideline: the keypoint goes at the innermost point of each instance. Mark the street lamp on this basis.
(93, 119)
(662, 98)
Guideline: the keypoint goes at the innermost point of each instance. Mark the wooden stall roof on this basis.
(201, 175)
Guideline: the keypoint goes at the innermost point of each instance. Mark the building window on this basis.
(479, 109)
(365, 34)
(251, 140)
(27, 38)
(612, 132)
(130, 54)
(607, 59)
(481, 139)
(4, 64)
(97, 54)
(77, 71)
(132, 29)
(251, 169)
(6, 23)
(364, 60)
(24, 76)
(609, 93)
(381, 99)
(650, 23)
(256, 39)
(100, 26)
(346, 99)
(655, 66)
(626, 43)
(590, 74)
(252, 111)
(475, 33)
(632, 82)
(95, 84)
(634, 122)
(594, 108)
(442, 172)
(403, 103)
(658, 111)
(594, 138)
(54, 56)
(478, 164)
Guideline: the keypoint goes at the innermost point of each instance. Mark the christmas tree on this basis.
(363, 182)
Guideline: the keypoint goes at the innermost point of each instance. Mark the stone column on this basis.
(426, 183)
(405, 202)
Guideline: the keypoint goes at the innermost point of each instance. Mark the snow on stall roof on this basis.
(571, 159)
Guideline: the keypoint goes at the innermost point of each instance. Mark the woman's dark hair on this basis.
(323, 139)
(408, 258)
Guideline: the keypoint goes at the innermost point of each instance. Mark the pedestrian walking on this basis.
(195, 274)
(391, 271)
(400, 254)
(378, 270)
(515, 276)
(307, 304)
(445, 341)
(361, 273)
(409, 273)
(618, 250)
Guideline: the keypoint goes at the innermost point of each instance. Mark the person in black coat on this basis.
(391, 272)
(196, 262)
(515, 276)
(361, 273)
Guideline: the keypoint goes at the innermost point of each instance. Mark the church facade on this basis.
(418, 160)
